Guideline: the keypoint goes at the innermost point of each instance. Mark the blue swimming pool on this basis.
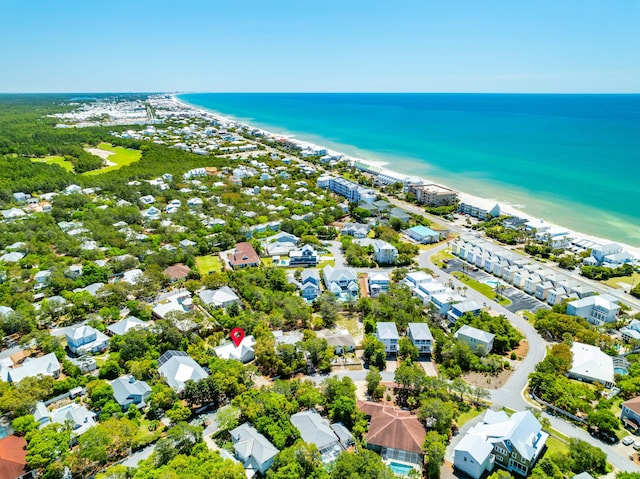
(402, 469)
(620, 371)
(4, 432)
(492, 282)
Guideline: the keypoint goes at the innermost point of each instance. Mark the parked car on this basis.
(627, 441)
(636, 445)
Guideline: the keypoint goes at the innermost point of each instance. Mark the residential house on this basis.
(378, 283)
(384, 253)
(473, 455)
(415, 278)
(46, 365)
(42, 277)
(13, 460)
(423, 235)
(463, 307)
(127, 324)
(187, 243)
(630, 414)
(421, 337)
(340, 340)
(478, 340)
(219, 298)
(444, 301)
(597, 310)
(316, 430)
(127, 390)
(252, 449)
(357, 230)
(400, 215)
(305, 256)
(151, 214)
(280, 244)
(177, 272)
(86, 339)
(310, 284)
(394, 433)
(592, 365)
(244, 352)
(132, 276)
(517, 442)
(631, 331)
(12, 257)
(244, 256)
(387, 333)
(176, 367)
(179, 301)
(76, 415)
(343, 282)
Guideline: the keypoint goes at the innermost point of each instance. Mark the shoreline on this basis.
(506, 208)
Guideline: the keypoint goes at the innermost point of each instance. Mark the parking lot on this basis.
(519, 299)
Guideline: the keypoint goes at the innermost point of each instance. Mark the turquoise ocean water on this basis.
(573, 160)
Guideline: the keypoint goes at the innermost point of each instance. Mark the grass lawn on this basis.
(468, 416)
(350, 324)
(121, 157)
(329, 262)
(482, 288)
(208, 264)
(555, 445)
(627, 280)
(439, 256)
(55, 160)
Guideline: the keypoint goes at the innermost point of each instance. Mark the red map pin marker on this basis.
(237, 335)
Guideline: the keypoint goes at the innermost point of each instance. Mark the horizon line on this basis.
(187, 92)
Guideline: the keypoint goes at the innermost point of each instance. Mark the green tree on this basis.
(373, 379)
(434, 450)
(364, 464)
(374, 352)
(584, 457)
(407, 350)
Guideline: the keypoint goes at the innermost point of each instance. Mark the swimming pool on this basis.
(4, 432)
(620, 371)
(402, 469)
(492, 282)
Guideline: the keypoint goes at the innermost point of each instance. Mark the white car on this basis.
(627, 441)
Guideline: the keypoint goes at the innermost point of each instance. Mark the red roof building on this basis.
(394, 433)
(244, 256)
(13, 457)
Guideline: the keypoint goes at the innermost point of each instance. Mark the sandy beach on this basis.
(465, 197)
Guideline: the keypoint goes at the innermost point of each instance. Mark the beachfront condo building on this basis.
(350, 190)
(434, 195)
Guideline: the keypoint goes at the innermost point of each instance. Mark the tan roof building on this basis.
(394, 433)
(243, 256)
(177, 271)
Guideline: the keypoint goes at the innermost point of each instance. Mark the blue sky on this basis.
(329, 45)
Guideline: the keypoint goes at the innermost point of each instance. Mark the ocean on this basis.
(572, 160)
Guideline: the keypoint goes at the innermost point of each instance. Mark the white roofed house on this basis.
(86, 339)
(127, 324)
(309, 284)
(378, 282)
(305, 256)
(592, 365)
(244, 352)
(414, 278)
(421, 337)
(478, 340)
(128, 390)
(387, 333)
(252, 449)
(343, 282)
(176, 367)
(316, 430)
(47, 365)
(280, 244)
(219, 298)
(597, 310)
(463, 307)
(516, 444)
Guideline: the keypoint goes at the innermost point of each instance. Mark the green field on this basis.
(438, 258)
(627, 280)
(208, 264)
(555, 445)
(468, 416)
(121, 157)
(55, 160)
(482, 288)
